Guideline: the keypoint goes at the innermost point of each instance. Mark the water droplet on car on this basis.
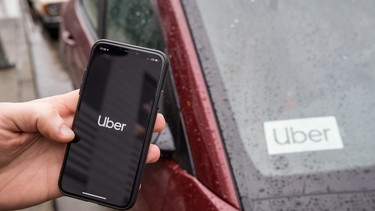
(344, 57)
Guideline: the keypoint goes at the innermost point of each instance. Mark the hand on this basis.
(33, 137)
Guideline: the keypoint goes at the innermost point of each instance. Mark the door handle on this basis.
(68, 38)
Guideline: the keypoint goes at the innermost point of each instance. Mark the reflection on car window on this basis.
(298, 61)
(282, 60)
(90, 7)
(134, 22)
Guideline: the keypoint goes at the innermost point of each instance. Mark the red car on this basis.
(269, 104)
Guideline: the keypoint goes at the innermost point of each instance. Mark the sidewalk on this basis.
(16, 83)
(32, 77)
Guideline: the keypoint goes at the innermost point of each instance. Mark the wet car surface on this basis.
(278, 60)
(262, 62)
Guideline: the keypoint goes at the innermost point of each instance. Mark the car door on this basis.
(171, 183)
(78, 31)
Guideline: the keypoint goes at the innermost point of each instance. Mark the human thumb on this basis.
(39, 117)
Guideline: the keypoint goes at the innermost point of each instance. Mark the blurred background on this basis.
(31, 66)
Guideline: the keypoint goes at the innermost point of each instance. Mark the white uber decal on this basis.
(302, 135)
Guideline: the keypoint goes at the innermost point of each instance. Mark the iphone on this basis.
(113, 124)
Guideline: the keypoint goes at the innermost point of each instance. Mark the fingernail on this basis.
(65, 131)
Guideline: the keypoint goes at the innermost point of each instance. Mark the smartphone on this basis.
(113, 124)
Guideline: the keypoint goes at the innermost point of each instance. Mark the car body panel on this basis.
(210, 162)
(182, 191)
(76, 41)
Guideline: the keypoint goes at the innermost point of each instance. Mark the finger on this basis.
(153, 154)
(39, 117)
(159, 123)
(66, 104)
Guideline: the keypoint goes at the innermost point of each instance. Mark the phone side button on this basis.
(83, 81)
(161, 96)
(80, 89)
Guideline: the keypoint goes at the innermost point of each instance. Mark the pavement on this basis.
(16, 81)
(34, 71)
(27, 76)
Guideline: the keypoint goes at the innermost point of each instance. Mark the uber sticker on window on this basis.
(302, 135)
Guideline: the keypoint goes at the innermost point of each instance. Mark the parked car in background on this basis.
(269, 104)
(48, 11)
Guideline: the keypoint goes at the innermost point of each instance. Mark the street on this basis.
(37, 70)
(30, 67)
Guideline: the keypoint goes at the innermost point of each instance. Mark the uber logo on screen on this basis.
(302, 135)
(108, 123)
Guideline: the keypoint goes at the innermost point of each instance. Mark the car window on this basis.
(133, 21)
(136, 22)
(281, 73)
(90, 8)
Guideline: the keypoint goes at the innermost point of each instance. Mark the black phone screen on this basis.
(112, 122)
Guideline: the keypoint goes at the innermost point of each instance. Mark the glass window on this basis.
(282, 60)
(90, 8)
(134, 22)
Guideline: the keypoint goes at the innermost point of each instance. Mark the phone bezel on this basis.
(161, 81)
